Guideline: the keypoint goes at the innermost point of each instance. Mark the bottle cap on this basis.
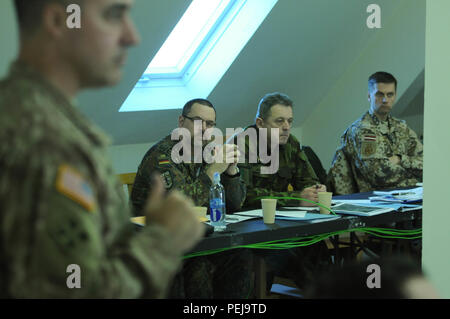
(216, 178)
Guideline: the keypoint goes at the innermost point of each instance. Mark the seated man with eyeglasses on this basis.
(223, 275)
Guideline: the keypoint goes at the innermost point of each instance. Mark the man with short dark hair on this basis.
(62, 209)
(221, 275)
(377, 151)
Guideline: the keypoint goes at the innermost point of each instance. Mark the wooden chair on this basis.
(128, 180)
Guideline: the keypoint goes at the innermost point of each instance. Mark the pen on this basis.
(396, 194)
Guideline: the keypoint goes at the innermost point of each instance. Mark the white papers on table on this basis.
(291, 214)
(234, 218)
(418, 191)
(414, 195)
(312, 217)
(354, 201)
(360, 208)
(305, 209)
(259, 213)
(308, 209)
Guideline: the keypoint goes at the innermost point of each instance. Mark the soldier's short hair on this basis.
(188, 106)
(29, 12)
(382, 77)
(270, 100)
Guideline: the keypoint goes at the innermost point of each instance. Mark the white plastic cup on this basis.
(269, 206)
(325, 200)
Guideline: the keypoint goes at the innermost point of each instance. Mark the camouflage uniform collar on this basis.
(169, 141)
(22, 70)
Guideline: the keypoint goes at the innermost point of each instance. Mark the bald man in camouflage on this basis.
(377, 151)
(62, 208)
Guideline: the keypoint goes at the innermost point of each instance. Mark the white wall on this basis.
(436, 213)
(126, 158)
(8, 36)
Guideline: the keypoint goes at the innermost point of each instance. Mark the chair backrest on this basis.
(316, 164)
(128, 180)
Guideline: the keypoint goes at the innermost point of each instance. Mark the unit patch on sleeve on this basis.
(72, 184)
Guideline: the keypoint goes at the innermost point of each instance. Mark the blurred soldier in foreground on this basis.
(60, 202)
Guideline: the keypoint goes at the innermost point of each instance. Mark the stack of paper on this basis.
(294, 213)
(361, 209)
(410, 196)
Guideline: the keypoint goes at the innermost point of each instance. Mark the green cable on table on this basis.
(301, 242)
(309, 240)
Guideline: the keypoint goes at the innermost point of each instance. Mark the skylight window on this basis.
(197, 53)
(195, 26)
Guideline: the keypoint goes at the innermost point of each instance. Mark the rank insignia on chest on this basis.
(167, 180)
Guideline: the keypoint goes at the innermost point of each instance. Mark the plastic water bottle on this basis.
(217, 204)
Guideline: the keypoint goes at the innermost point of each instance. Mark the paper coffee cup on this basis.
(325, 200)
(269, 206)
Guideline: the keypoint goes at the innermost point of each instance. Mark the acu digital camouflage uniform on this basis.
(61, 204)
(300, 264)
(361, 163)
(222, 275)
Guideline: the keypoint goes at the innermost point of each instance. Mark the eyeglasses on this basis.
(208, 124)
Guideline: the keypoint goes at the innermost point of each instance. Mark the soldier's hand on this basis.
(310, 193)
(175, 212)
(230, 156)
(321, 188)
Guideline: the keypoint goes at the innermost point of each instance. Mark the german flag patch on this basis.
(164, 162)
(72, 184)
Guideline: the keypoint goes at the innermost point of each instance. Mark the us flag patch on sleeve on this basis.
(72, 184)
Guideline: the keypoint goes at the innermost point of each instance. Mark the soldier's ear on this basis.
(180, 121)
(259, 122)
(54, 19)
